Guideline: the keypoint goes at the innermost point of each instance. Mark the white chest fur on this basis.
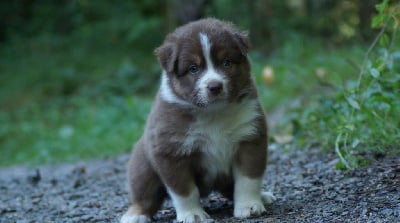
(217, 135)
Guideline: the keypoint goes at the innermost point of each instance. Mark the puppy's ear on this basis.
(167, 56)
(242, 39)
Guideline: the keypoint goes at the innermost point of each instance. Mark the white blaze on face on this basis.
(210, 73)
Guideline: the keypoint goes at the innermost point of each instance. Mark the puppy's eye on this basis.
(193, 69)
(227, 63)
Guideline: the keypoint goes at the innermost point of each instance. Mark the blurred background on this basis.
(77, 77)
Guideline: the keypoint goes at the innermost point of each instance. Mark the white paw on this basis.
(268, 197)
(249, 209)
(135, 219)
(193, 216)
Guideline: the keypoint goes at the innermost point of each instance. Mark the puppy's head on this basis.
(205, 63)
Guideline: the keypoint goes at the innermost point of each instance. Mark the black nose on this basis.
(214, 87)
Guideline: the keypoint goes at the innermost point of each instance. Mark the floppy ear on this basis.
(167, 56)
(242, 39)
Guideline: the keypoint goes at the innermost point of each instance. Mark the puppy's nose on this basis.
(214, 87)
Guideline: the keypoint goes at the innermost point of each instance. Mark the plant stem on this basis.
(337, 150)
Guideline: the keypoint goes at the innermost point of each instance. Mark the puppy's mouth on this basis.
(203, 102)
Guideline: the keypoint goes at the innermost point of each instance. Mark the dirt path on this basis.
(307, 186)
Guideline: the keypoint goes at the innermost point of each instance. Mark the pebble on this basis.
(35, 177)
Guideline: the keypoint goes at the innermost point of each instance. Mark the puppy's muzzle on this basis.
(215, 88)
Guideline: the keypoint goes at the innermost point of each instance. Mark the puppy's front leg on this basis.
(248, 173)
(188, 207)
(180, 184)
(247, 196)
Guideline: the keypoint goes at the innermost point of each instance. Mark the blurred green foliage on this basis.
(359, 118)
(77, 77)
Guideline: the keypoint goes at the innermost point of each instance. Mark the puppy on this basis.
(206, 130)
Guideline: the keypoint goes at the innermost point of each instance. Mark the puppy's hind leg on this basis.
(145, 189)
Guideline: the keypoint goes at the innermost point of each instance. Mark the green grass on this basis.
(78, 128)
(63, 100)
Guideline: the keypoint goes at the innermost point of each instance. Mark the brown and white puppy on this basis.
(206, 130)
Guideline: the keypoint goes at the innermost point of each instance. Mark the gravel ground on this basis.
(306, 184)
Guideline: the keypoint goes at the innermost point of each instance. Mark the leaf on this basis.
(377, 97)
(349, 127)
(382, 6)
(379, 64)
(384, 40)
(368, 64)
(355, 143)
(375, 73)
(377, 21)
(353, 103)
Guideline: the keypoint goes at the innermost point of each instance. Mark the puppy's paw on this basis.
(193, 216)
(267, 197)
(249, 209)
(135, 219)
